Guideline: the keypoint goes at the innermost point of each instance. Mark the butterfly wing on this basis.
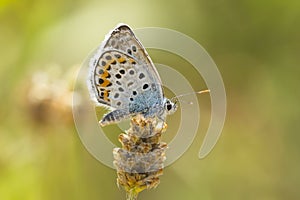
(121, 72)
(122, 38)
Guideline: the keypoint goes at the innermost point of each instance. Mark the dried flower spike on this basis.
(139, 162)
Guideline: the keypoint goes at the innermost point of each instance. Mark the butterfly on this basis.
(123, 78)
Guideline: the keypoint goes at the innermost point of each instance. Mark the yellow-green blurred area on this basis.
(255, 45)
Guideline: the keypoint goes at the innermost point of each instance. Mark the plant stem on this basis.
(132, 195)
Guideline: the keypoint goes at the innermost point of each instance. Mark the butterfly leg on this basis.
(114, 117)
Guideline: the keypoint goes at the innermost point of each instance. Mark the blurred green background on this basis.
(254, 43)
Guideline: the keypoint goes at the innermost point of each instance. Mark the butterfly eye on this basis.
(169, 107)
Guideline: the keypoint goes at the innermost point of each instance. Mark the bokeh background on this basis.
(256, 46)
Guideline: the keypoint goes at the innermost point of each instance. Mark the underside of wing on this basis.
(121, 70)
(123, 39)
(118, 79)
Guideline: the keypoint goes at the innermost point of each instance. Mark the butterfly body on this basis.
(123, 78)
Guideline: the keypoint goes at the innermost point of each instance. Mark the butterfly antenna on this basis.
(176, 98)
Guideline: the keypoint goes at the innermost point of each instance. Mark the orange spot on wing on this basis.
(132, 61)
(122, 59)
(105, 74)
(105, 83)
(105, 95)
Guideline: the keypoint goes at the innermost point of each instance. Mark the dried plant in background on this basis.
(49, 95)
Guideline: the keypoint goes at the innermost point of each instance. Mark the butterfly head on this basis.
(170, 107)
